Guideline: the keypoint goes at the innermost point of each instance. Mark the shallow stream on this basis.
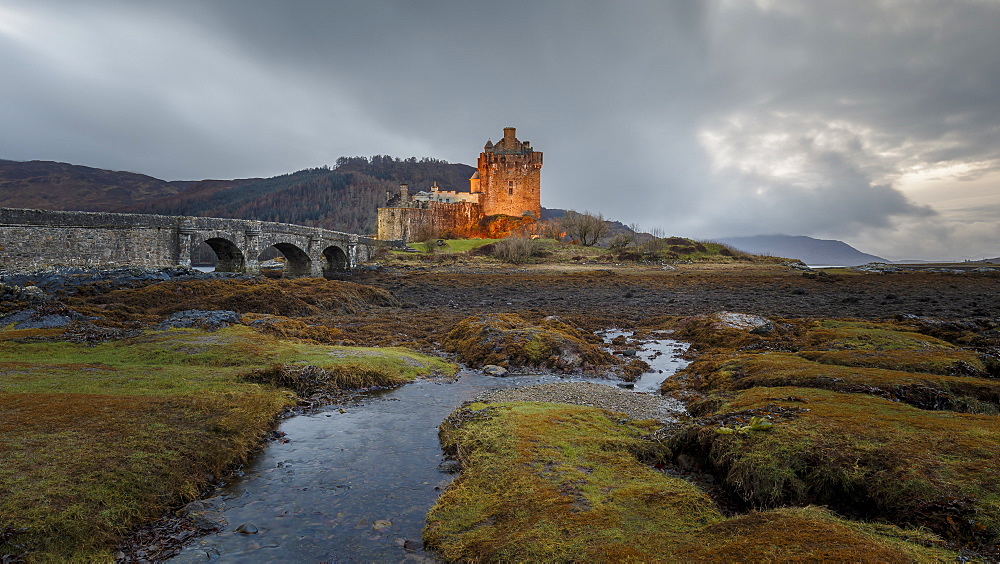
(354, 483)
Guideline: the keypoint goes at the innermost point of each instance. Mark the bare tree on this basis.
(585, 227)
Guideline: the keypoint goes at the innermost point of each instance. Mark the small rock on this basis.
(205, 515)
(629, 352)
(494, 370)
(412, 545)
(247, 529)
(450, 467)
(208, 320)
(381, 525)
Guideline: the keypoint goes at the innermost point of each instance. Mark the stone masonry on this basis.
(39, 238)
(506, 182)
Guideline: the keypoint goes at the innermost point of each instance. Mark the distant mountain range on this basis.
(811, 251)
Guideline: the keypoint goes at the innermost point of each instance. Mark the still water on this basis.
(354, 483)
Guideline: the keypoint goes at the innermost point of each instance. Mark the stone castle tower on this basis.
(508, 177)
(506, 182)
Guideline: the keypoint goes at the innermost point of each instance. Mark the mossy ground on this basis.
(855, 453)
(553, 482)
(509, 340)
(873, 419)
(890, 360)
(95, 440)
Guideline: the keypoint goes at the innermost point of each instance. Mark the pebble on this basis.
(634, 404)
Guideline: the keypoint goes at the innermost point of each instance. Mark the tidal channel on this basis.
(353, 483)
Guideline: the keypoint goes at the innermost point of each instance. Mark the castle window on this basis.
(510, 187)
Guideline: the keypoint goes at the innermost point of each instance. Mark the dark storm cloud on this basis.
(704, 118)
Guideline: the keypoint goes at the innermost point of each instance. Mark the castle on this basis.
(506, 183)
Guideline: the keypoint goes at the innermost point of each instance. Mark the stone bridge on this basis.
(38, 238)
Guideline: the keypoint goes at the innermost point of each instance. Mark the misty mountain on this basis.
(807, 249)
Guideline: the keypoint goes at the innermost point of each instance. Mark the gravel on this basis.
(637, 405)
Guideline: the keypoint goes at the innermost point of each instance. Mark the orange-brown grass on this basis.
(927, 391)
(855, 453)
(285, 328)
(31, 334)
(554, 482)
(78, 471)
(296, 298)
(509, 340)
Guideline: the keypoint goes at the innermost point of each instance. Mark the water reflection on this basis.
(353, 484)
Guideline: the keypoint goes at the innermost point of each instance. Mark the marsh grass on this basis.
(554, 482)
(885, 359)
(857, 454)
(843, 434)
(95, 440)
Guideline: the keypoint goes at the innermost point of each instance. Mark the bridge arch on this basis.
(229, 257)
(297, 261)
(335, 260)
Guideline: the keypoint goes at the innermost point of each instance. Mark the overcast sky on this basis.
(873, 122)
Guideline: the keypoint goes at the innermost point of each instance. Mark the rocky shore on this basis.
(636, 405)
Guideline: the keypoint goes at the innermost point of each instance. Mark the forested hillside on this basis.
(344, 198)
(419, 174)
(318, 197)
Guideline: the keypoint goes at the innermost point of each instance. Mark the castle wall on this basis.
(459, 219)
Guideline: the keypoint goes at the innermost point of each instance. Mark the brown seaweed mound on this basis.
(508, 340)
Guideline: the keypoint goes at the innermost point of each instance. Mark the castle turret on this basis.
(474, 183)
(509, 177)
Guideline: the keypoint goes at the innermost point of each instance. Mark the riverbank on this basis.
(415, 308)
(103, 433)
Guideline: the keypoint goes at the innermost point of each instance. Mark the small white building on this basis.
(444, 196)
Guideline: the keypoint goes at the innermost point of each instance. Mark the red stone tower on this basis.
(508, 177)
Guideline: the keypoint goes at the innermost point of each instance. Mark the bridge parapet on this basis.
(36, 238)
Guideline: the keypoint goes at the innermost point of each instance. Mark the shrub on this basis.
(515, 250)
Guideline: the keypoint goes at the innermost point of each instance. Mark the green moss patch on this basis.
(857, 454)
(95, 440)
(511, 341)
(79, 471)
(927, 391)
(188, 360)
(553, 482)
